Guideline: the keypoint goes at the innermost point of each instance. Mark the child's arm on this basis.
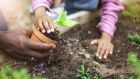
(42, 20)
(41, 3)
(110, 10)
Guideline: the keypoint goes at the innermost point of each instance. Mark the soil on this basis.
(74, 50)
(52, 35)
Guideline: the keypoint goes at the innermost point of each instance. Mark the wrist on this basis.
(107, 36)
(41, 11)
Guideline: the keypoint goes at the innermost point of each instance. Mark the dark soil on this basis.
(52, 35)
(74, 50)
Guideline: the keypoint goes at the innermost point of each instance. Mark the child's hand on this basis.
(105, 47)
(43, 21)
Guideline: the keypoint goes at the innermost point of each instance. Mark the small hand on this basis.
(18, 44)
(43, 21)
(105, 47)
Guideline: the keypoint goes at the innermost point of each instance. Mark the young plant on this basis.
(63, 21)
(83, 73)
(135, 63)
(7, 72)
(135, 38)
(59, 22)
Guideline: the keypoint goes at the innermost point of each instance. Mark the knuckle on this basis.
(104, 49)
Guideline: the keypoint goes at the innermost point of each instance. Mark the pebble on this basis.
(138, 48)
(118, 51)
(87, 55)
(69, 44)
(123, 44)
(71, 53)
(89, 32)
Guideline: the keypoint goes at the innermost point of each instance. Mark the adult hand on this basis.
(43, 21)
(17, 43)
(105, 47)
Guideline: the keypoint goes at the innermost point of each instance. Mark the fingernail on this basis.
(97, 54)
(52, 30)
(100, 57)
(54, 46)
(48, 31)
(43, 31)
(105, 57)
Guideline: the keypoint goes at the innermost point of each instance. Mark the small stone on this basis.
(123, 44)
(43, 71)
(81, 53)
(89, 32)
(32, 58)
(69, 44)
(87, 55)
(71, 53)
(118, 51)
(138, 48)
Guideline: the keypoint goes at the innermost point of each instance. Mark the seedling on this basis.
(52, 35)
(83, 73)
(7, 72)
(61, 21)
(135, 63)
(135, 38)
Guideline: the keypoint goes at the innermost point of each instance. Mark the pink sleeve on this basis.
(110, 10)
(43, 3)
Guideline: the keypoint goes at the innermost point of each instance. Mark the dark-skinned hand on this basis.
(17, 43)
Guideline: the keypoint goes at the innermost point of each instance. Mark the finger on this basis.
(106, 53)
(17, 55)
(38, 54)
(29, 53)
(46, 26)
(102, 52)
(39, 46)
(40, 25)
(99, 49)
(51, 24)
(20, 56)
(111, 50)
(94, 42)
(45, 54)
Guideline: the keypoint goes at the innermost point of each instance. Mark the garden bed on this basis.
(74, 50)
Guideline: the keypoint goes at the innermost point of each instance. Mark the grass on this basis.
(83, 73)
(8, 72)
(135, 38)
(135, 63)
(133, 11)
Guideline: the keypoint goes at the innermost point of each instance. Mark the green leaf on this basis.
(8, 72)
(135, 63)
(62, 20)
(70, 23)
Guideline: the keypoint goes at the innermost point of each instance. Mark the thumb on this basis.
(39, 46)
(94, 42)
